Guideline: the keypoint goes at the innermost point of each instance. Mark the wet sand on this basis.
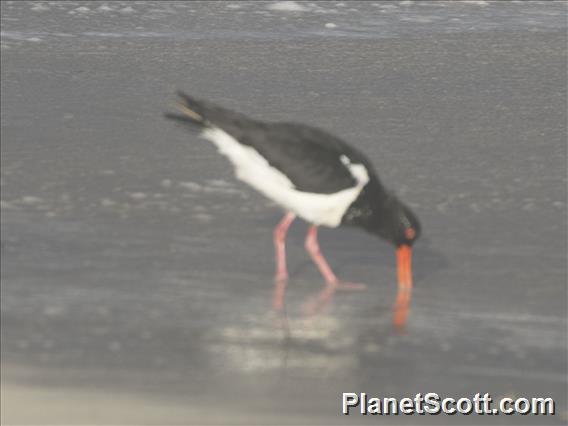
(137, 274)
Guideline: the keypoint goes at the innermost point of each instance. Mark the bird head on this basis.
(394, 222)
(399, 225)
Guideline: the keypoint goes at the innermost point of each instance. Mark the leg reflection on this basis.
(278, 296)
(318, 302)
(401, 307)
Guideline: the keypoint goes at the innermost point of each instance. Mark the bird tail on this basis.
(204, 114)
(191, 111)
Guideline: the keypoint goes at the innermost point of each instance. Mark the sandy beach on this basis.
(137, 272)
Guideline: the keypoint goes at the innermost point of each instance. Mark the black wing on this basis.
(309, 157)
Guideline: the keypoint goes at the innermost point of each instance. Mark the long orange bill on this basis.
(404, 295)
(404, 260)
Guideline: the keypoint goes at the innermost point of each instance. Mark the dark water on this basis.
(134, 264)
(65, 22)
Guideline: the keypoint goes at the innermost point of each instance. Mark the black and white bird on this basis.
(311, 174)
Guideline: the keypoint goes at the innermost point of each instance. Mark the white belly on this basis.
(252, 168)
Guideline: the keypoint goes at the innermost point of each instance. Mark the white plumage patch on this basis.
(252, 168)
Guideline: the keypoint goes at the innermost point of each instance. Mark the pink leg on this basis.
(324, 297)
(312, 246)
(280, 245)
(280, 249)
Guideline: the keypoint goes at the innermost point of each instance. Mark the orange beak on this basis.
(401, 306)
(404, 263)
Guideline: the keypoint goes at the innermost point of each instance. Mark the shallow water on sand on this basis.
(134, 265)
(66, 21)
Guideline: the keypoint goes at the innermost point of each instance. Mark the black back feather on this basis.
(309, 157)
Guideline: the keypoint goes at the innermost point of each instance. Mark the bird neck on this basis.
(366, 206)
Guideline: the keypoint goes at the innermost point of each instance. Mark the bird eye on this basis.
(409, 233)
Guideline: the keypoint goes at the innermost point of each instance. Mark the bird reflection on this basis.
(314, 343)
(318, 302)
(278, 298)
(401, 308)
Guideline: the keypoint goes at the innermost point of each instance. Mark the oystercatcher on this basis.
(312, 175)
